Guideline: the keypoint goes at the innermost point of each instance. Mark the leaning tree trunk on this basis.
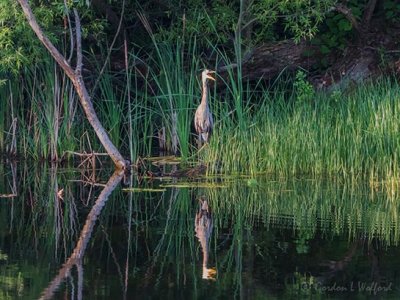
(77, 80)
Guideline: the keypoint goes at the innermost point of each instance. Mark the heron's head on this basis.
(206, 74)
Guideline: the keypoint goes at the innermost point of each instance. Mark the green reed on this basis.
(43, 107)
(6, 96)
(356, 134)
(109, 106)
(173, 75)
(138, 121)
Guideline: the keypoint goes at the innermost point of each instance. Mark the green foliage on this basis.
(19, 46)
(300, 18)
(303, 89)
(193, 18)
(15, 50)
(391, 10)
(338, 29)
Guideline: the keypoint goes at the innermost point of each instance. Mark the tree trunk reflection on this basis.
(79, 251)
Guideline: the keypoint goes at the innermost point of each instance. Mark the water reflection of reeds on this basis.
(147, 239)
(332, 207)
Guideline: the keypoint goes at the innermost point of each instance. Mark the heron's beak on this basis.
(209, 76)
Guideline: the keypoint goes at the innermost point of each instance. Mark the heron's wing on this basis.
(208, 122)
(211, 121)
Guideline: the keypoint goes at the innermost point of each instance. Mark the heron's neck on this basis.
(204, 97)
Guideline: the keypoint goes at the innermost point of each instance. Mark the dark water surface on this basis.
(61, 236)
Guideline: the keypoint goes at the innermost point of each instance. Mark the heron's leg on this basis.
(202, 147)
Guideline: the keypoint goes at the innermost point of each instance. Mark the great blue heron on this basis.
(203, 120)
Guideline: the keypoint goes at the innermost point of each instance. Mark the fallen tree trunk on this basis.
(359, 61)
(76, 77)
(269, 60)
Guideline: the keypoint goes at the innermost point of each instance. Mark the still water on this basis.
(75, 234)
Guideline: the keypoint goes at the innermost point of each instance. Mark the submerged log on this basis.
(189, 172)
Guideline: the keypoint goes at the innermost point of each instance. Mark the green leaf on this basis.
(316, 41)
(389, 14)
(389, 4)
(344, 25)
(324, 49)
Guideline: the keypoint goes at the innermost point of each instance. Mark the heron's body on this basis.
(203, 120)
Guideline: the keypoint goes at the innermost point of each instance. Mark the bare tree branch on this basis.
(71, 36)
(78, 68)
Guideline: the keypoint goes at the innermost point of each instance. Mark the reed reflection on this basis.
(203, 229)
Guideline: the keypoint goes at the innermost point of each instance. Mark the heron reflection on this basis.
(203, 228)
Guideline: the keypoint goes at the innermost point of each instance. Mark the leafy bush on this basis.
(303, 89)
